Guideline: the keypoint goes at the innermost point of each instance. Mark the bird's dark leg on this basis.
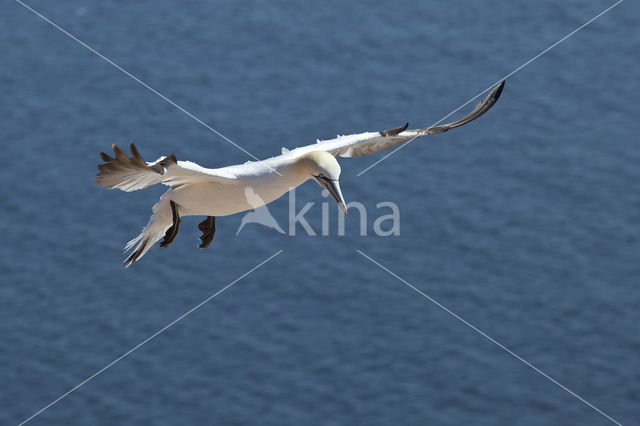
(175, 227)
(208, 228)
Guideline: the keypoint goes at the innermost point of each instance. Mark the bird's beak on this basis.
(333, 188)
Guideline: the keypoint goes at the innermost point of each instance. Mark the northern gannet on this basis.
(195, 190)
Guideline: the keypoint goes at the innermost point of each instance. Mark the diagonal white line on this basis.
(482, 333)
(142, 83)
(149, 338)
(498, 81)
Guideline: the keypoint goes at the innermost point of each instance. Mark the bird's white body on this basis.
(226, 198)
(195, 190)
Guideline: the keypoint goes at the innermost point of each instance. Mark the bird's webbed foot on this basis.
(208, 228)
(172, 232)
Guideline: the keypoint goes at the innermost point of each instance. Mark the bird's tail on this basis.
(159, 222)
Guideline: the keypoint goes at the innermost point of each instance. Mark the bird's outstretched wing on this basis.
(373, 142)
(133, 173)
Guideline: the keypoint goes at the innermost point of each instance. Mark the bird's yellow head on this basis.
(320, 163)
(325, 170)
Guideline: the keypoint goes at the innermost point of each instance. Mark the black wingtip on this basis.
(394, 132)
(133, 149)
(106, 158)
(136, 254)
(498, 90)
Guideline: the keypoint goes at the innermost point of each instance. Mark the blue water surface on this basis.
(525, 223)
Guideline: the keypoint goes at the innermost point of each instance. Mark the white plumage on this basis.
(196, 190)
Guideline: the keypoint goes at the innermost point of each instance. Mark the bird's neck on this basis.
(291, 173)
(277, 179)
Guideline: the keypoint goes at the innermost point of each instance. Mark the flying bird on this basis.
(198, 191)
